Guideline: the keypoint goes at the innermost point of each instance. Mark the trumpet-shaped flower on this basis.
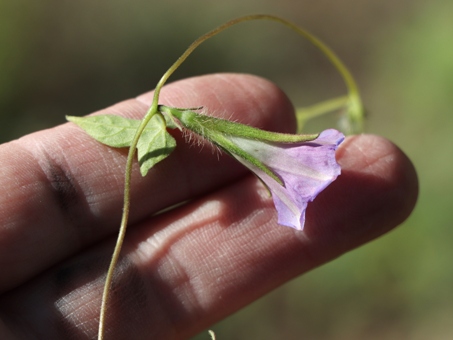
(295, 168)
(304, 168)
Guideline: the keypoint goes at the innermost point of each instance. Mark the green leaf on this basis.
(154, 145)
(111, 130)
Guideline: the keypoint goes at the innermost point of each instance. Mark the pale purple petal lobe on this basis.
(305, 168)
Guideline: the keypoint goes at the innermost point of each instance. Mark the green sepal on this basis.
(154, 145)
(199, 123)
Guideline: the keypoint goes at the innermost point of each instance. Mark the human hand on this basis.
(184, 269)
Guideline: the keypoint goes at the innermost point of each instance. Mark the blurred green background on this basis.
(62, 58)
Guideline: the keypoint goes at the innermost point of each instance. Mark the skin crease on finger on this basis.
(188, 268)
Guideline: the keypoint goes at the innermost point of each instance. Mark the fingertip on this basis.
(380, 158)
(377, 191)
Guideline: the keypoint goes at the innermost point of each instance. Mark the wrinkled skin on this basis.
(184, 269)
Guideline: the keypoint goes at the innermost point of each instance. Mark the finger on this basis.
(178, 276)
(62, 190)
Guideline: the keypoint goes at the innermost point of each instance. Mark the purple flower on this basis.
(304, 168)
(295, 168)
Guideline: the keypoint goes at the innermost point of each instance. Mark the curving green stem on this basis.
(354, 103)
(124, 220)
(304, 114)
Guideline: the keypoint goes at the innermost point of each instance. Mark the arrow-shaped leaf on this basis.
(154, 145)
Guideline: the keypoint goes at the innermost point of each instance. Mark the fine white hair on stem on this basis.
(221, 114)
(199, 141)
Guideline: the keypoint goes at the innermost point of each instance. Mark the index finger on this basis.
(62, 190)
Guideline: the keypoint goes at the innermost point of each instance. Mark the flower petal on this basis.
(305, 168)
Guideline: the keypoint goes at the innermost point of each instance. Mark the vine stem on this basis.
(154, 108)
(123, 226)
(306, 113)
